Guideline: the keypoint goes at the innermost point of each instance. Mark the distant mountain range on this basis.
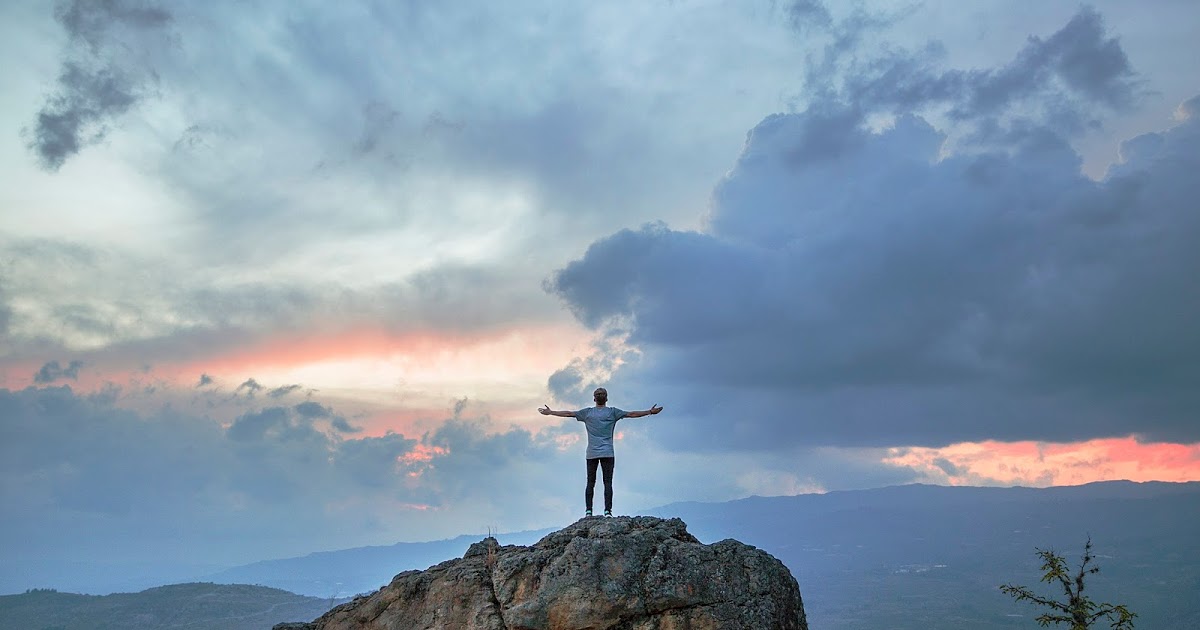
(359, 570)
(191, 606)
(906, 557)
(932, 557)
(917, 556)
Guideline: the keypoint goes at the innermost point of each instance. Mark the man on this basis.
(600, 421)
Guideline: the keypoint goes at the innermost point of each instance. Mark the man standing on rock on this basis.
(600, 422)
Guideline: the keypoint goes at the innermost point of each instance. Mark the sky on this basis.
(280, 277)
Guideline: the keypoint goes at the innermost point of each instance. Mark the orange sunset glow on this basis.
(1031, 463)
(368, 359)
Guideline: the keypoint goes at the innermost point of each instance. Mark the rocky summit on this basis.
(623, 573)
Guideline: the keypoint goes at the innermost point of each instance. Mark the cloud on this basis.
(1066, 81)
(283, 390)
(423, 152)
(275, 423)
(76, 115)
(1189, 109)
(165, 487)
(473, 455)
(74, 462)
(1030, 463)
(78, 301)
(859, 287)
(1079, 61)
(52, 371)
(343, 426)
(5, 313)
(204, 380)
(251, 386)
(806, 14)
(378, 121)
(169, 489)
(310, 409)
(416, 159)
(948, 467)
(92, 21)
(98, 81)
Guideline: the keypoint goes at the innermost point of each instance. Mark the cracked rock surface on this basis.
(623, 573)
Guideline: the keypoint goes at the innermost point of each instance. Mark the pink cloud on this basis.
(1052, 464)
(422, 453)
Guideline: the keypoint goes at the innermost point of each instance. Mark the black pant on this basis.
(607, 463)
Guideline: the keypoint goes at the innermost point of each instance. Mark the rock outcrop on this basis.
(623, 573)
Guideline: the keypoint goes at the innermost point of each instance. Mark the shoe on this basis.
(587, 513)
(608, 512)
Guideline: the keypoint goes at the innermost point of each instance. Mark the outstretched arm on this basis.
(547, 411)
(653, 410)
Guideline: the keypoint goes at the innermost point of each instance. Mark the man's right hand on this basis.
(545, 411)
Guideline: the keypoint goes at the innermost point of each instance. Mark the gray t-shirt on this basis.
(600, 422)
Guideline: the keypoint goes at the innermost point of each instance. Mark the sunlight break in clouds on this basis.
(1042, 464)
(458, 365)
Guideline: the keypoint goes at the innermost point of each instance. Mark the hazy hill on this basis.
(929, 557)
(919, 557)
(178, 607)
(907, 557)
(358, 570)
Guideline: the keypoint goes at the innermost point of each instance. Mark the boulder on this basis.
(623, 573)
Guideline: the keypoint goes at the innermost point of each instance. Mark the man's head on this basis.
(600, 395)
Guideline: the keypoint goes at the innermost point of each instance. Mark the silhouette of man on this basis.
(600, 422)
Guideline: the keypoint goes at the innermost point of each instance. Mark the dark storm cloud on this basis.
(1080, 55)
(1079, 61)
(98, 81)
(917, 300)
(92, 21)
(1065, 81)
(76, 116)
(53, 371)
(862, 288)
